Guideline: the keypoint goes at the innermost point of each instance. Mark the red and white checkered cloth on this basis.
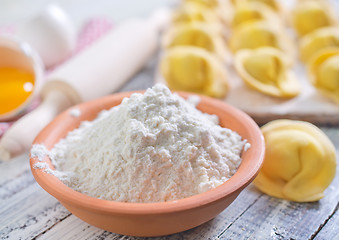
(92, 30)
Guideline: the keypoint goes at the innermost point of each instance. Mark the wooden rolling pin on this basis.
(99, 70)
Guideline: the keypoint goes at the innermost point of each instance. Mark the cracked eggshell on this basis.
(51, 33)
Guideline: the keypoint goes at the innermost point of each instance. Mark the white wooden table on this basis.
(28, 212)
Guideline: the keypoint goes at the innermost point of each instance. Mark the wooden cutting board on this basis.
(309, 105)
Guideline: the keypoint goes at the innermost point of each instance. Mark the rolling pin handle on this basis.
(97, 71)
(11, 145)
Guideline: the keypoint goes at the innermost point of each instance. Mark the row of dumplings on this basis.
(251, 35)
(318, 33)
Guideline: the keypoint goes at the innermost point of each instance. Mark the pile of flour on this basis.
(153, 147)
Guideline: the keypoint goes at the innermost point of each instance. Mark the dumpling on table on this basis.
(300, 161)
(253, 12)
(308, 16)
(190, 12)
(267, 70)
(199, 35)
(195, 70)
(221, 8)
(318, 40)
(323, 71)
(273, 4)
(261, 34)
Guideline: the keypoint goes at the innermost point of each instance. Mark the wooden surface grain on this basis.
(28, 212)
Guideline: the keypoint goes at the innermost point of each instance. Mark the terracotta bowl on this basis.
(161, 218)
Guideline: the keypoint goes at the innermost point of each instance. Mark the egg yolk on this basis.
(15, 87)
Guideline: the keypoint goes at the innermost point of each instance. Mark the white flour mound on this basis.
(151, 148)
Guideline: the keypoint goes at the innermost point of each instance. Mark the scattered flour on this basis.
(153, 147)
(75, 112)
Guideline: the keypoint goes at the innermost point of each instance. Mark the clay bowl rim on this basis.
(237, 182)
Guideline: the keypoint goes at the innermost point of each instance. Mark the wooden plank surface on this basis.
(330, 230)
(27, 211)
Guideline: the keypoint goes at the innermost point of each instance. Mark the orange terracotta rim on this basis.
(247, 171)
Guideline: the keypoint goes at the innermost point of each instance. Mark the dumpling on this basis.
(207, 3)
(221, 8)
(198, 35)
(300, 161)
(254, 12)
(323, 70)
(273, 4)
(317, 40)
(190, 12)
(261, 34)
(311, 15)
(267, 70)
(195, 70)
